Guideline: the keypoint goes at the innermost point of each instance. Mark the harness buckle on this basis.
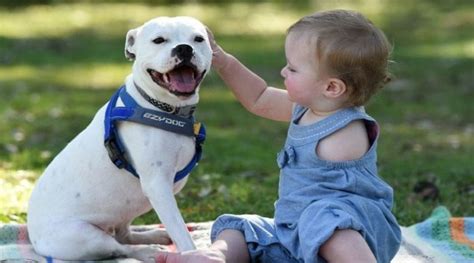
(114, 153)
(171, 109)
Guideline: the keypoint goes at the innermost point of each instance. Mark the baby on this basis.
(332, 206)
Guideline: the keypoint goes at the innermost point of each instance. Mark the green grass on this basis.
(60, 63)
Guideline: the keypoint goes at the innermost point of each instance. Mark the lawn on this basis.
(59, 63)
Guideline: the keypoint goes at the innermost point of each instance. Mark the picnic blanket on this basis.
(439, 239)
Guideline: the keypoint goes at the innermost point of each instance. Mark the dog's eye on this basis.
(199, 39)
(159, 40)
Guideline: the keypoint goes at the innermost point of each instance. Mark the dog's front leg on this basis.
(159, 190)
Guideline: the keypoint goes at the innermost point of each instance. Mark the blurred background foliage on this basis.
(61, 60)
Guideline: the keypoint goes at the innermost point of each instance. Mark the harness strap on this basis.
(200, 137)
(112, 142)
(158, 119)
(162, 120)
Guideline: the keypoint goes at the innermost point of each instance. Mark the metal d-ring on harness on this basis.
(131, 111)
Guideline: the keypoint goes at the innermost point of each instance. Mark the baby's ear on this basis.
(335, 88)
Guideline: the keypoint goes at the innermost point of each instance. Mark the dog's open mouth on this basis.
(182, 80)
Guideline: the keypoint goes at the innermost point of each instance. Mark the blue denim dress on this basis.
(316, 197)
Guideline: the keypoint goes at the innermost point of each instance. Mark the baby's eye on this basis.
(290, 68)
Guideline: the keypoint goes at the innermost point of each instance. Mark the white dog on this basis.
(83, 204)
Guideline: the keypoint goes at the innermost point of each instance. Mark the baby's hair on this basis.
(349, 47)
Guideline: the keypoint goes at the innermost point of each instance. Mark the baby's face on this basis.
(301, 73)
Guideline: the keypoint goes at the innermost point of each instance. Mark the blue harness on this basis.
(158, 119)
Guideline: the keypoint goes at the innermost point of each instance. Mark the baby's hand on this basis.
(218, 54)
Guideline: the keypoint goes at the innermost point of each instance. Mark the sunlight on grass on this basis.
(434, 136)
(16, 187)
(371, 8)
(61, 20)
(67, 19)
(459, 49)
(238, 18)
(77, 76)
(210, 93)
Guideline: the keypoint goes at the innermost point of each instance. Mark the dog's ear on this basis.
(130, 44)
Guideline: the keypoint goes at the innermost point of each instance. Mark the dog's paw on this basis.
(151, 236)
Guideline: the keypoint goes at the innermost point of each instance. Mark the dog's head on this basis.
(171, 56)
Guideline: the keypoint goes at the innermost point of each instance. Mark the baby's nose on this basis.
(282, 72)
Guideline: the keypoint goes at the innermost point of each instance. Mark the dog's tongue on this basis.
(182, 79)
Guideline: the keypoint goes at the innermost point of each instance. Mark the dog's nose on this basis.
(183, 51)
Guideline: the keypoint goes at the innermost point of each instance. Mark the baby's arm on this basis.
(349, 143)
(250, 89)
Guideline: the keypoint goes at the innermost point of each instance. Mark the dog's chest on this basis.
(156, 150)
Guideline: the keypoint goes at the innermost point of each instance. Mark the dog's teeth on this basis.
(165, 78)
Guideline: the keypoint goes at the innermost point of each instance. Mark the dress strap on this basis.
(302, 134)
(341, 119)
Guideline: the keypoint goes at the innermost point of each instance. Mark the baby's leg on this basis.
(347, 245)
(245, 238)
(229, 246)
(233, 245)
